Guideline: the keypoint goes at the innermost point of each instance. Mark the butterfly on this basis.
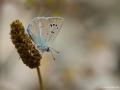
(43, 31)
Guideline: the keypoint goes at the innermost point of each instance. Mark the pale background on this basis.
(89, 45)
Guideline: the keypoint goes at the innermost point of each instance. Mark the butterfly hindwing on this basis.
(54, 26)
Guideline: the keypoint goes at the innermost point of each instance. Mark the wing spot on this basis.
(51, 25)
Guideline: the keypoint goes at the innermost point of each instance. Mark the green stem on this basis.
(40, 79)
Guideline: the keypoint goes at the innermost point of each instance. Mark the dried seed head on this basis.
(27, 51)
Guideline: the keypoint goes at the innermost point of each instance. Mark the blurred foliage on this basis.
(29, 2)
(48, 7)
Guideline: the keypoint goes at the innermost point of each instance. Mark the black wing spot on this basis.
(51, 25)
(56, 26)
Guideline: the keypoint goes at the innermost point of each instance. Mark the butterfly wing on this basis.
(43, 30)
(34, 31)
(53, 26)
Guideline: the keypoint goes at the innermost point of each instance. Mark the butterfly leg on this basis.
(52, 55)
(54, 50)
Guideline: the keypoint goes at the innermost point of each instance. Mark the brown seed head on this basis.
(27, 51)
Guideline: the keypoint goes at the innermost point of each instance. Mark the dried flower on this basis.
(27, 51)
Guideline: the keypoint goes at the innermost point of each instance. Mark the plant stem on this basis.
(40, 79)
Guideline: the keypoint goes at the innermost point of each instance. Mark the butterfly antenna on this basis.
(52, 55)
(55, 50)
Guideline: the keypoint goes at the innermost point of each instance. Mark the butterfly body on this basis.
(43, 48)
(43, 30)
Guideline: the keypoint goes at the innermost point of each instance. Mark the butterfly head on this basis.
(47, 49)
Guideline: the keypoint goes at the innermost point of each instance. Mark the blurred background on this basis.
(89, 45)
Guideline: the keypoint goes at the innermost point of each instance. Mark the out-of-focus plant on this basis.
(29, 3)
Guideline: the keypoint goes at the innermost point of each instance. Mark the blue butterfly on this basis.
(43, 31)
